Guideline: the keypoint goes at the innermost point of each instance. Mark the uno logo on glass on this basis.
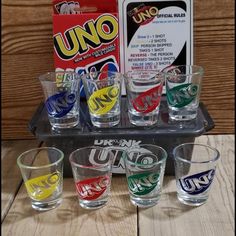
(42, 187)
(103, 100)
(149, 100)
(94, 34)
(58, 105)
(181, 95)
(141, 184)
(197, 183)
(90, 189)
(144, 183)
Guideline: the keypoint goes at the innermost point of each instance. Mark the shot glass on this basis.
(103, 93)
(144, 90)
(183, 88)
(62, 98)
(42, 172)
(92, 172)
(145, 167)
(195, 167)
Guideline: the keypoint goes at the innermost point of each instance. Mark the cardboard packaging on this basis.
(155, 34)
(87, 40)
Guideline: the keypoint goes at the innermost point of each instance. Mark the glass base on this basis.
(138, 119)
(182, 115)
(144, 203)
(191, 201)
(105, 122)
(64, 123)
(92, 204)
(45, 206)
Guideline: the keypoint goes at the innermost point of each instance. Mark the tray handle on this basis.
(208, 121)
(32, 123)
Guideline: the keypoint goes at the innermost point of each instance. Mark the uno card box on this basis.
(85, 40)
(155, 34)
(166, 134)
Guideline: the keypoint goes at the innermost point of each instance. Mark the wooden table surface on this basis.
(119, 217)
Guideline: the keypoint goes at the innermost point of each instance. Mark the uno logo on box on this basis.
(93, 34)
(142, 14)
(86, 43)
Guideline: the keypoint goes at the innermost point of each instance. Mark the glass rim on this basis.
(21, 165)
(46, 77)
(92, 166)
(136, 72)
(199, 72)
(214, 159)
(163, 158)
(120, 75)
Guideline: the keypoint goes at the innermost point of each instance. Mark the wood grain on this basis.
(26, 27)
(22, 92)
(27, 52)
(11, 176)
(118, 218)
(216, 217)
